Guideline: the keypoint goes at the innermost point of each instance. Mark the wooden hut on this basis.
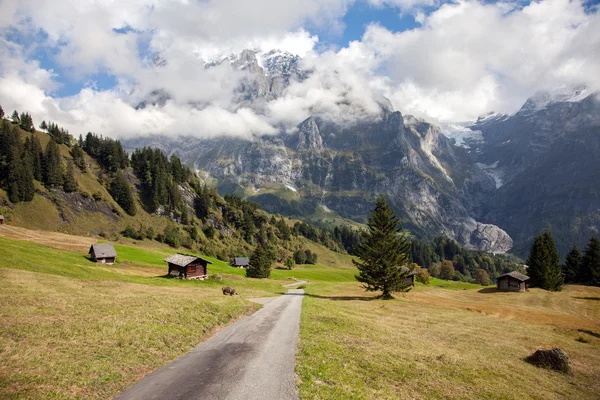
(241, 262)
(1, 219)
(512, 282)
(103, 253)
(187, 266)
(410, 278)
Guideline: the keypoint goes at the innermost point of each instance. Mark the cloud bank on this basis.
(463, 60)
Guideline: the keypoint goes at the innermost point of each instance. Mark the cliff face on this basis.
(432, 184)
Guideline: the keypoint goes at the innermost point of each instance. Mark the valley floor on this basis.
(73, 329)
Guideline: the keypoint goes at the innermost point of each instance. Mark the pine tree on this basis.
(52, 166)
(383, 252)
(571, 269)
(44, 126)
(590, 266)
(15, 117)
(69, 181)
(1, 112)
(26, 185)
(260, 263)
(544, 263)
(121, 192)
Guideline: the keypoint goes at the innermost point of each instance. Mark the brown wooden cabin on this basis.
(512, 282)
(103, 253)
(241, 262)
(1, 219)
(187, 266)
(410, 278)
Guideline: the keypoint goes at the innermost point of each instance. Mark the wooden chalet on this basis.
(512, 282)
(103, 253)
(241, 262)
(410, 278)
(1, 219)
(187, 266)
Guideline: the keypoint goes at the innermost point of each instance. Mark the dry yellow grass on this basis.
(54, 240)
(356, 347)
(70, 338)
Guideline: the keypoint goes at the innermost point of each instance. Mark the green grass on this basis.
(353, 346)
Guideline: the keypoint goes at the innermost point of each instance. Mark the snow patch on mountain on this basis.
(496, 173)
(462, 134)
(562, 94)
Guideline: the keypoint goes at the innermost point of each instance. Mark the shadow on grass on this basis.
(591, 333)
(488, 290)
(588, 298)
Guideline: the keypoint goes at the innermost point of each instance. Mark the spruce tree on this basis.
(15, 117)
(121, 192)
(544, 263)
(260, 263)
(69, 181)
(52, 166)
(383, 252)
(1, 112)
(571, 269)
(590, 266)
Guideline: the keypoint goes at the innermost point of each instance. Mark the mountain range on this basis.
(490, 184)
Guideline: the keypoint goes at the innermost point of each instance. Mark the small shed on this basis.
(1, 219)
(410, 278)
(241, 262)
(103, 253)
(512, 282)
(187, 266)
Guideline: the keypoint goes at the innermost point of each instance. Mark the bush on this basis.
(423, 276)
(289, 263)
(447, 271)
(97, 196)
(172, 236)
(482, 277)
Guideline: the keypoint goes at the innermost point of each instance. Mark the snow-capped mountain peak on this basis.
(563, 94)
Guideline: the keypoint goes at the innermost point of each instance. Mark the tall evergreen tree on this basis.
(52, 165)
(260, 263)
(44, 125)
(383, 252)
(571, 269)
(69, 181)
(1, 112)
(544, 263)
(15, 117)
(121, 192)
(590, 266)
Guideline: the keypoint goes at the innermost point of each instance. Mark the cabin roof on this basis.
(241, 261)
(183, 260)
(516, 275)
(404, 268)
(105, 250)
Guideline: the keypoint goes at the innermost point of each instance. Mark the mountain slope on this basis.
(431, 183)
(547, 155)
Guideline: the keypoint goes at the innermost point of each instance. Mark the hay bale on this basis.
(555, 359)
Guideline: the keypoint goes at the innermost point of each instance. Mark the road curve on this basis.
(252, 359)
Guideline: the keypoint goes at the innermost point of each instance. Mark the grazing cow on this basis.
(229, 290)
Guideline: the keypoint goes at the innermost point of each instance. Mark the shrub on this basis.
(423, 276)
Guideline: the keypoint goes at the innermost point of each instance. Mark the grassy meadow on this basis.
(471, 345)
(70, 328)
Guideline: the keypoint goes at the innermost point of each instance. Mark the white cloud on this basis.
(466, 58)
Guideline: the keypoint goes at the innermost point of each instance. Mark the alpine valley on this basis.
(489, 184)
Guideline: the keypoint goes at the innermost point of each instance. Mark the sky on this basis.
(86, 64)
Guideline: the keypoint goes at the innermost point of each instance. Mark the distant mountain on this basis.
(546, 159)
(431, 183)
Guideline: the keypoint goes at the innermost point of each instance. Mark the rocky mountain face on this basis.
(537, 168)
(430, 182)
(546, 160)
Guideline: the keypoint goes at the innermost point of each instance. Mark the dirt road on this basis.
(252, 359)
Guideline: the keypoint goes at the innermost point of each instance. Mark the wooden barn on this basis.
(103, 253)
(241, 262)
(1, 219)
(512, 282)
(410, 278)
(187, 266)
